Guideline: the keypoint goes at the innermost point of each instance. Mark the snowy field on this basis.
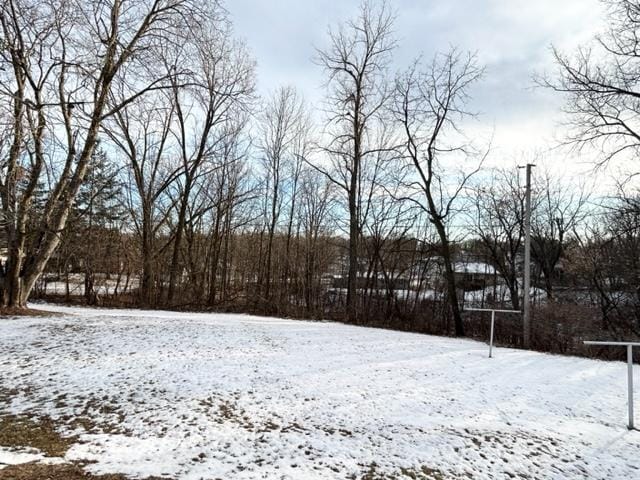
(191, 396)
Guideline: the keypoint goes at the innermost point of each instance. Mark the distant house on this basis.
(470, 273)
(427, 272)
(473, 275)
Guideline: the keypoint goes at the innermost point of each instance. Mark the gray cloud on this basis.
(512, 38)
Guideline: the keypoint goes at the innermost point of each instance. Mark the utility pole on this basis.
(526, 324)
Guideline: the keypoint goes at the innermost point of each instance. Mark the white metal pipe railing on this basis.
(629, 346)
(493, 321)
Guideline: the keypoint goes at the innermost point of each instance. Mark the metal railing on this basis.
(493, 321)
(629, 346)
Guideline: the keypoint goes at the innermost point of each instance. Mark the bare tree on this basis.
(316, 202)
(355, 63)
(141, 132)
(284, 122)
(390, 246)
(228, 191)
(558, 211)
(498, 221)
(300, 150)
(602, 86)
(605, 257)
(430, 105)
(220, 86)
(60, 60)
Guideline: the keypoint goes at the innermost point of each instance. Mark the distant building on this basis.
(473, 275)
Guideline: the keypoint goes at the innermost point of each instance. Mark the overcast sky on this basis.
(512, 39)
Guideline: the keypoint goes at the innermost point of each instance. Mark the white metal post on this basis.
(630, 383)
(493, 321)
(629, 346)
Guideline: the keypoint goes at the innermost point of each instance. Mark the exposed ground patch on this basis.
(22, 431)
(24, 312)
(34, 471)
(421, 473)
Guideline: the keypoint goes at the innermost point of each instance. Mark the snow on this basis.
(501, 294)
(474, 268)
(102, 286)
(17, 456)
(190, 396)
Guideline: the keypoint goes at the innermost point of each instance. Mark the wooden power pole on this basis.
(527, 262)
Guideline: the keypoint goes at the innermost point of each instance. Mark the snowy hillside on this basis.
(191, 396)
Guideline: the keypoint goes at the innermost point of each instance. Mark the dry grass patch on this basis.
(40, 433)
(20, 431)
(24, 312)
(35, 471)
(422, 473)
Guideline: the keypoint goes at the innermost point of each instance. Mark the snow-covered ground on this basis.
(102, 285)
(192, 396)
(18, 456)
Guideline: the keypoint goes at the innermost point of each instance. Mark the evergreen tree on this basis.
(96, 218)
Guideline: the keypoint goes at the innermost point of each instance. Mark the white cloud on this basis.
(512, 38)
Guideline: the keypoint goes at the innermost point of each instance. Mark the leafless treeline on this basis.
(140, 167)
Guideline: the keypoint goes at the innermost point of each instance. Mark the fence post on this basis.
(630, 383)
(493, 321)
(629, 346)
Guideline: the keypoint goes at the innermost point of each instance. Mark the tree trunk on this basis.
(515, 300)
(354, 212)
(548, 284)
(352, 278)
(12, 282)
(146, 283)
(450, 278)
(175, 259)
(267, 289)
(215, 259)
